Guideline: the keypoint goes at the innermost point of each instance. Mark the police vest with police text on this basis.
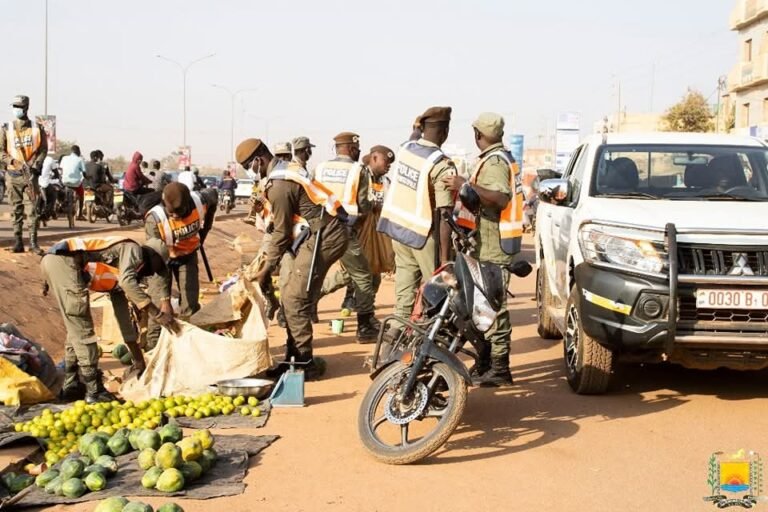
(511, 218)
(22, 144)
(103, 277)
(342, 177)
(407, 213)
(181, 236)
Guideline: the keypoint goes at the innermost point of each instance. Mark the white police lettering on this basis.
(188, 231)
(407, 176)
(25, 142)
(332, 175)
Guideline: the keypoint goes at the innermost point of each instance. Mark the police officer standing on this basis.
(349, 181)
(259, 167)
(291, 196)
(496, 180)
(23, 146)
(413, 207)
(377, 164)
(182, 221)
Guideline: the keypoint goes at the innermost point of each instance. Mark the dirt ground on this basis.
(535, 446)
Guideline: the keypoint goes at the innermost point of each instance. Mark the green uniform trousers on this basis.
(16, 194)
(501, 331)
(297, 303)
(186, 276)
(68, 285)
(355, 270)
(412, 266)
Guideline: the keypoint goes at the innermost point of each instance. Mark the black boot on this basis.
(349, 299)
(18, 246)
(498, 376)
(315, 368)
(94, 386)
(33, 247)
(367, 328)
(291, 352)
(72, 389)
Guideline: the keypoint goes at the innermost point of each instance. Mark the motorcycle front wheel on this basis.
(403, 431)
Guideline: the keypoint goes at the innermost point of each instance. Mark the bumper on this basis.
(630, 313)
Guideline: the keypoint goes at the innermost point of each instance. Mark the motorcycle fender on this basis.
(393, 358)
(453, 362)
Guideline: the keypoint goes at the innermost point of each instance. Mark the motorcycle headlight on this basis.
(483, 315)
(632, 249)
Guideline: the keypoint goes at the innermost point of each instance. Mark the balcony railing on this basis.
(749, 74)
(747, 12)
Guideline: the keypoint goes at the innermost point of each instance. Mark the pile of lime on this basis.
(61, 431)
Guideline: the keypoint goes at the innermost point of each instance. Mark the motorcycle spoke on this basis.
(378, 422)
(404, 435)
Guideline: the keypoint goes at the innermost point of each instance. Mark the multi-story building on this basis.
(748, 81)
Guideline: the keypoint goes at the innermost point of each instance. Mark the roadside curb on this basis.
(7, 242)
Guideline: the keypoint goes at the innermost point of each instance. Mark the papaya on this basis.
(171, 480)
(73, 488)
(149, 480)
(95, 481)
(112, 504)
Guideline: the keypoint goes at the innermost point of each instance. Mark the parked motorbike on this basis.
(126, 208)
(225, 201)
(419, 387)
(96, 206)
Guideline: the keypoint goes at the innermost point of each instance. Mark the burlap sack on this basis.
(377, 247)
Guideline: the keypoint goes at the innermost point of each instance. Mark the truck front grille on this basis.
(722, 261)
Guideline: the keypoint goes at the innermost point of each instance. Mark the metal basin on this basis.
(259, 388)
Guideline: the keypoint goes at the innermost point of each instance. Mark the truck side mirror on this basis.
(554, 191)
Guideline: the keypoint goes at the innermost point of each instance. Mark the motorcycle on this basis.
(419, 386)
(126, 208)
(96, 207)
(225, 201)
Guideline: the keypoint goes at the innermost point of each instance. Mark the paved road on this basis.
(59, 228)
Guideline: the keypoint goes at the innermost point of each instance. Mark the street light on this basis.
(184, 70)
(266, 120)
(232, 95)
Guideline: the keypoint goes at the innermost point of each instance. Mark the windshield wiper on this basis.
(717, 195)
(632, 195)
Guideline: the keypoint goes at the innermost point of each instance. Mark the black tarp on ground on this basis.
(224, 479)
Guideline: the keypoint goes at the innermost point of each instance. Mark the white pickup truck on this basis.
(655, 248)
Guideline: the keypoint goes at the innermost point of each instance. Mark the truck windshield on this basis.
(699, 173)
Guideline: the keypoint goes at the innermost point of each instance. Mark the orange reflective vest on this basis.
(316, 191)
(181, 236)
(22, 145)
(342, 177)
(511, 218)
(407, 213)
(75, 244)
(104, 277)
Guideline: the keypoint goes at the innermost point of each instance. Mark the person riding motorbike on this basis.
(136, 183)
(228, 185)
(50, 186)
(99, 179)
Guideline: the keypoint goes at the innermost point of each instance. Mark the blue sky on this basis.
(322, 67)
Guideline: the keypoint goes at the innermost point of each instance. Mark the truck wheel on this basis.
(546, 324)
(588, 364)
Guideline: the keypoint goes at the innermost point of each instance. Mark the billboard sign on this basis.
(184, 156)
(48, 124)
(567, 136)
(516, 148)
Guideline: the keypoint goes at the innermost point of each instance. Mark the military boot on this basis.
(33, 247)
(94, 386)
(314, 369)
(367, 328)
(72, 389)
(497, 376)
(291, 352)
(18, 245)
(349, 300)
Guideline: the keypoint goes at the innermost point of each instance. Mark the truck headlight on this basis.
(632, 249)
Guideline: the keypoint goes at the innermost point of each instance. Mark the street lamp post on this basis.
(46, 58)
(232, 96)
(184, 70)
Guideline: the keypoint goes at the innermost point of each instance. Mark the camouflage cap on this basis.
(302, 143)
(282, 148)
(20, 101)
(490, 124)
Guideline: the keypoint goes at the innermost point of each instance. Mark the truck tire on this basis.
(588, 364)
(546, 324)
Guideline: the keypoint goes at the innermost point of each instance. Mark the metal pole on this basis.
(232, 131)
(618, 114)
(46, 58)
(184, 103)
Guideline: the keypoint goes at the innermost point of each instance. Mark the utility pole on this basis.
(618, 112)
(232, 96)
(45, 110)
(721, 87)
(653, 84)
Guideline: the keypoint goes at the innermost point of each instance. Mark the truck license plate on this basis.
(732, 299)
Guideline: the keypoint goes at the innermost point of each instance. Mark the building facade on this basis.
(748, 81)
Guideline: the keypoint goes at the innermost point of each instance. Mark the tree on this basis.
(691, 114)
(63, 147)
(117, 164)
